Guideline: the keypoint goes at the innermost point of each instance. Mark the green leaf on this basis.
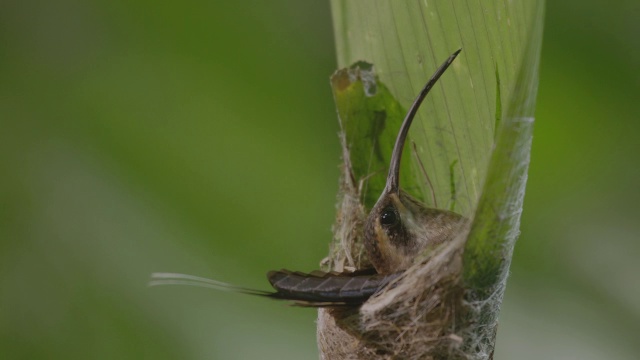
(497, 220)
(367, 113)
(406, 42)
(455, 133)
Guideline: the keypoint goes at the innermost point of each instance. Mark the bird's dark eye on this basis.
(389, 217)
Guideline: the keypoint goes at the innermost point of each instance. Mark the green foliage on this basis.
(496, 223)
(368, 113)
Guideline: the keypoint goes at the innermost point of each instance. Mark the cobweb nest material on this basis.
(424, 314)
(416, 317)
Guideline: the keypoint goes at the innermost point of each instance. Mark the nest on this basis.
(417, 316)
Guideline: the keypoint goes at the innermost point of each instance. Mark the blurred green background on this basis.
(201, 137)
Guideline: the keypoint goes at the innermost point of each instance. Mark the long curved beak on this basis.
(393, 179)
